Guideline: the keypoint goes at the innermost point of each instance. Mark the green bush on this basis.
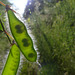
(55, 35)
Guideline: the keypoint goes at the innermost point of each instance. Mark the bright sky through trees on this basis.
(19, 4)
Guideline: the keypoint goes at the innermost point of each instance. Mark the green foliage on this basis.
(3, 44)
(4, 47)
(53, 25)
(3, 40)
(48, 69)
(28, 68)
(25, 44)
(55, 34)
(1, 28)
(2, 10)
(13, 59)
(12, 62)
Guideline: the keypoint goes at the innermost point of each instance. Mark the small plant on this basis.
(23, 43)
